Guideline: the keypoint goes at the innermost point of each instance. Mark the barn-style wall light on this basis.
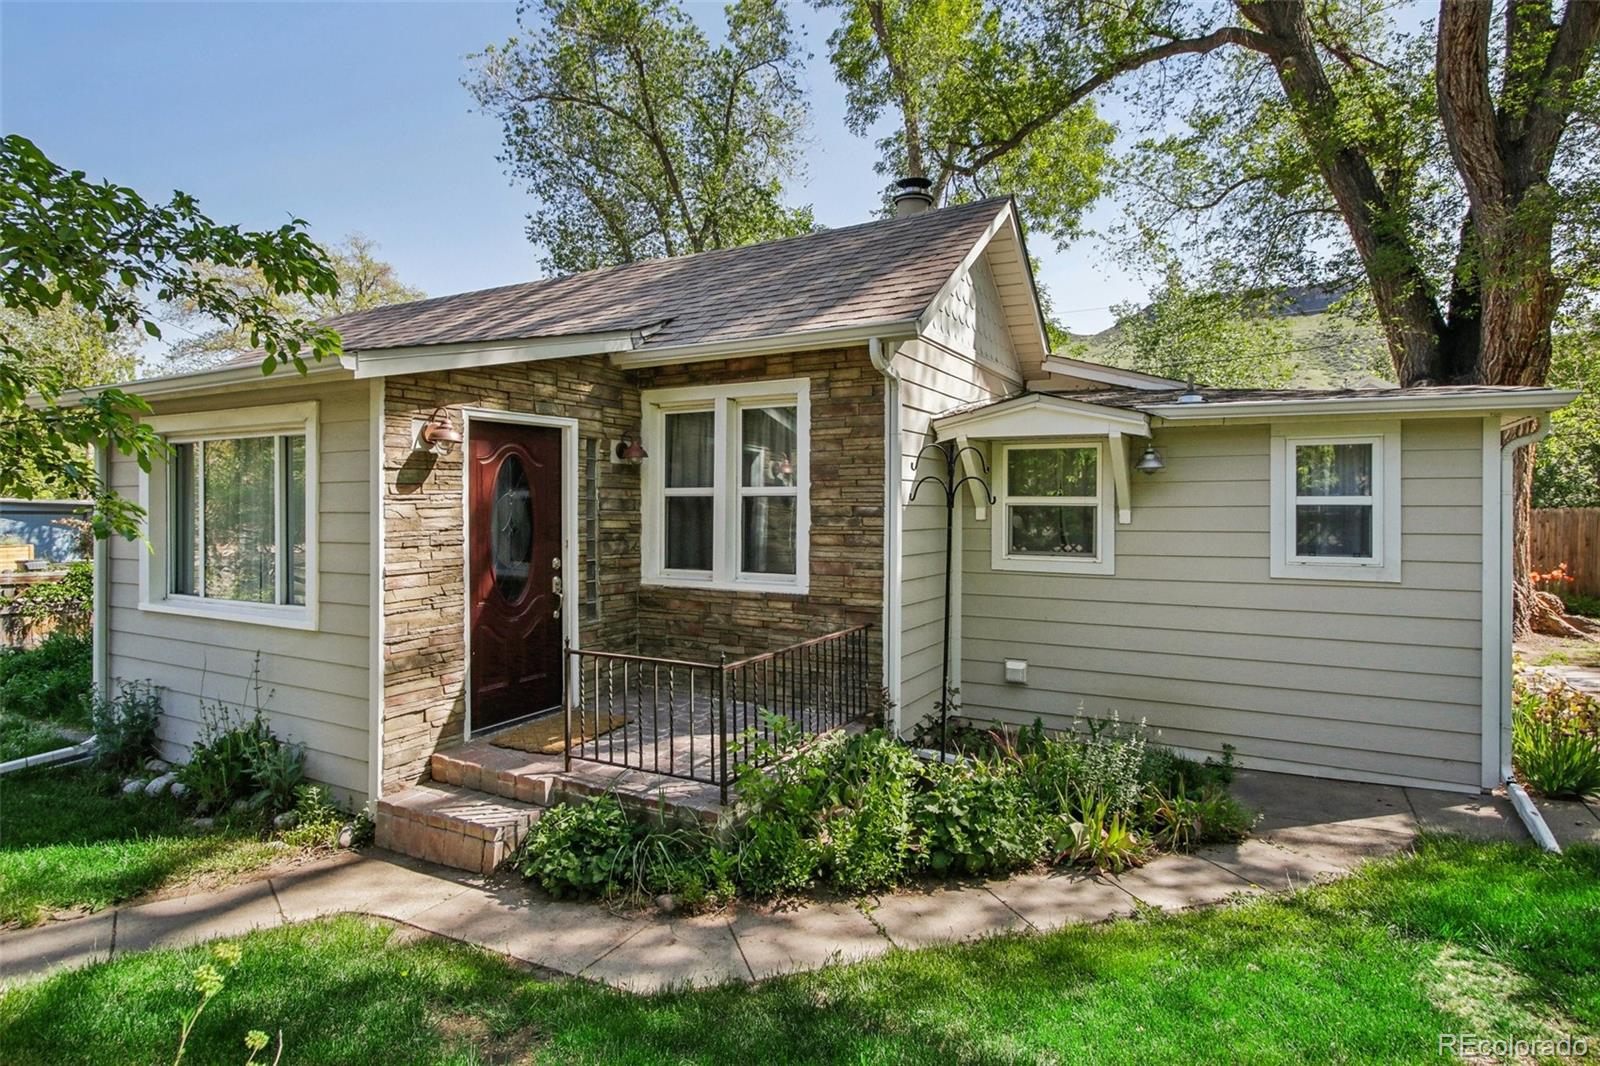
(438, 434)
(630, 451)
(1151, 460)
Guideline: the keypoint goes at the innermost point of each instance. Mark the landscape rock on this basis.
(347, 836)
(179, 789)
(667, 903)
(285, 820)
(240, 806)
(132, 785)
(202, 823)
(160, 784)
(157, 766)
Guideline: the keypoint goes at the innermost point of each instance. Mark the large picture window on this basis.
(725, 489)
(1053, 512)
(231, 516)
(1335, 510)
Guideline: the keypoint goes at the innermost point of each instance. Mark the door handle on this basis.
(555, 587)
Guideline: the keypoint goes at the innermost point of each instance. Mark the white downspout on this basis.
(100, 604)
(883, 359)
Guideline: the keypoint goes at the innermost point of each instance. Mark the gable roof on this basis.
(885, 271)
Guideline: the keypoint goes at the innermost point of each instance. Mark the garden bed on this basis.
(1555, 735)
(862, 813)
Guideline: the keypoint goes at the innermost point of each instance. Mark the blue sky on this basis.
(353, 117)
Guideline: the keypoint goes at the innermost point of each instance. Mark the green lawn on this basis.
(1494, 939)
(69, 839)
(21, 737)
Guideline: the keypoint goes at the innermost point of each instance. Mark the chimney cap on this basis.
(913, 197)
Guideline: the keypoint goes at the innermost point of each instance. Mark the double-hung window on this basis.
(231, 516)
(726, 486)
(1053, 513)
(1336, 505)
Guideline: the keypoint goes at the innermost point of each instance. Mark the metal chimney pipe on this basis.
(913, 197)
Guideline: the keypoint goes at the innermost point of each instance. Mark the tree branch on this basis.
(1466, 104)
(1564, 68)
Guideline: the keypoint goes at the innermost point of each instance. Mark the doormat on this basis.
(547, 736)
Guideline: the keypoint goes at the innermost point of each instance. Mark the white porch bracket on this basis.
(972, 465)
(1117, 445)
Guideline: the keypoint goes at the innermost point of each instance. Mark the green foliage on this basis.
(1182, 819)
(50, 681)
(1098, 835)
(317, 820)
(67, 603)
(638, 137)
(125, 725)
(364, 282)
(973, 819)
(238, 759)
(1222, 336)
(1566, 469)
(21, 737)
(103, 249)
(577, 849)
(1555, 739)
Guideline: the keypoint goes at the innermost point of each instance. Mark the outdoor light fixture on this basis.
(1151, 460)
(439, 435)
(631, 451)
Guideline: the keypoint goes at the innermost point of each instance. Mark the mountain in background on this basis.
(1329, 347)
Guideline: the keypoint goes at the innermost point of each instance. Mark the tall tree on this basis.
(363, 281)
(985, 99)
(638, 137)
(103, 248)
(1456, 169)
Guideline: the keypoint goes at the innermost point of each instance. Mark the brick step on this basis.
(454, 826)
(514, 775)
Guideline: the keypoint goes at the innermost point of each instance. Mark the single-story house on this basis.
(709, 458)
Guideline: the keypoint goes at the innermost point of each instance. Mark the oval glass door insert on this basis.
(513, 529)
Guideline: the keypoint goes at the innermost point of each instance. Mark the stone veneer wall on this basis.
(424, 650)
(847, 473)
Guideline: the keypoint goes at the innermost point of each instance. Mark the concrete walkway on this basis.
(1309, 831)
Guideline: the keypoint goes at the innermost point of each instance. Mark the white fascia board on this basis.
(1066, 366)
(1004, 219)
(223, 379)
(428, 358)
(800, 341)
(1531, 401)
(1042, 415)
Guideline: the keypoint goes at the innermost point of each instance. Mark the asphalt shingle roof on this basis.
(885, 270)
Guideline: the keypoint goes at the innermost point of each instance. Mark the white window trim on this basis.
(1105, 557)
(1385, 439)
(154, 497)
(727, 485)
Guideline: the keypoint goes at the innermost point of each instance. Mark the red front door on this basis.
(514, 554)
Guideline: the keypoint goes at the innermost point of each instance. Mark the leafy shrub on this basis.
(65, 604)
(1582, 603)
(1098, 835)
(975, 818)
(576, 850)
(317, 820)
(239, 758)
(125, 725)
(1181, 819)
(1555, 742)
(51, 681)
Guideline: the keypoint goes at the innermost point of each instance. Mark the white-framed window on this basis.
(727, 486)
(1054, 511)
(232, 516)
(1336, 502)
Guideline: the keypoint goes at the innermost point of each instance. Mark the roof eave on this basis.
(1066, 366)
(200, 382)
(1034, 414)
(799, 341)
(1259, 410)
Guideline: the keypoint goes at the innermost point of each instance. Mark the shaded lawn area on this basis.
(69, 839)
(1496, 939)
(21, 737)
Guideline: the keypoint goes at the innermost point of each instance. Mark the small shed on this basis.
(45, 527)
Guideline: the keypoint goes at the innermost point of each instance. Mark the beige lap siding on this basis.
(314, 685)
(425, 674)
(1361, 681)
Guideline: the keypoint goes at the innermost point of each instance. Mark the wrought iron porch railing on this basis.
(699, 721)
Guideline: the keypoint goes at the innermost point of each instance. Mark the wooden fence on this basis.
(1569, 535)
